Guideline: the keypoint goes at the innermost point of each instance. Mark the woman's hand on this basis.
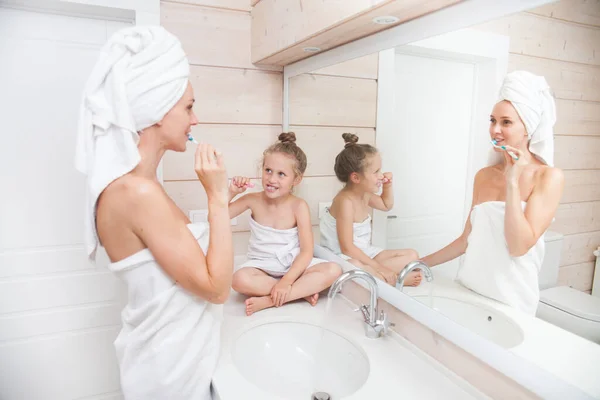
(210, 168)
(280, 292)
(238, 185)
(517, 165)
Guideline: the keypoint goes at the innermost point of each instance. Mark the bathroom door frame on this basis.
(488, 53)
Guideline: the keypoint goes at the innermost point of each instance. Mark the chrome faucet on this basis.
(410, 267)
(374, 327)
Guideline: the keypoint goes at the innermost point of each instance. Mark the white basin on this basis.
(483, 320)
(294, 360)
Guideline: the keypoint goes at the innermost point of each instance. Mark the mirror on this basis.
(426, 107)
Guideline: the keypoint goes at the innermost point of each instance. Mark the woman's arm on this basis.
(522, 230)
(175, 249)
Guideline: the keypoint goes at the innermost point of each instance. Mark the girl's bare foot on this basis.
(413, 279)
(312, 299)
(255, 304)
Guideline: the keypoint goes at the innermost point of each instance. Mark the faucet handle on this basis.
(365, 312)
(385, 322)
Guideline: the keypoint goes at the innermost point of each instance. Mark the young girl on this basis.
(346, 226)
(280, 266)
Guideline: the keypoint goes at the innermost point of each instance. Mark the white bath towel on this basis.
(532, 98)
(140, 75)
(273, 250)
(169, 344)
(361, 236)
(488, 268)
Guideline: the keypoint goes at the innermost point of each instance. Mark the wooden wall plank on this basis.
(240, 5)
(332, 101)
(318, 189)
(242, 147)
(577, 118)
(579, 248)
(569, 81)
(577, 152)
(547, 38)
(231, 96)
(323, 144)
(578, 276)
(211, 36)
(575, 218)
(581, 11)
(581, 185)
(363, 67)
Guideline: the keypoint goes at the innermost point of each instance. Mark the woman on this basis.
(137, 105)
(514, 201)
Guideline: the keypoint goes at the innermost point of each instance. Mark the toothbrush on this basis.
(513, 155)
(191, 139)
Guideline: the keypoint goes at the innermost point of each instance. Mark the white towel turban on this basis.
(531, 97)
(140, 75)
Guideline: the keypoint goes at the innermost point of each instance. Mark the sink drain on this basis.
(320, 396)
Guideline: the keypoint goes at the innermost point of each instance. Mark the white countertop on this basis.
(568, 356)
(397, 368)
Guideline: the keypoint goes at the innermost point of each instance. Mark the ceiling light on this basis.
(311, 49)
(386, 20)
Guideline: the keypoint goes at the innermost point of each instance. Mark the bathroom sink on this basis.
(294, 360)
(479, 318)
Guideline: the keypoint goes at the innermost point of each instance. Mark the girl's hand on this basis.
(389, 276)
(517, 165)
(238, 185)
(387, 178)
(210, 169)
(280, 292)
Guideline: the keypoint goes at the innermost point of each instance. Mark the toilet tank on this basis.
(549, 272)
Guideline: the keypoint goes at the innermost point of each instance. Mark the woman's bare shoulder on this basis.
(549, 178)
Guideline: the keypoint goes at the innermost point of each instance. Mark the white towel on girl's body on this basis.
(531, 97)
(140, 75)
(361, 236)
(169, 344)
(488, 268)
(273, 250)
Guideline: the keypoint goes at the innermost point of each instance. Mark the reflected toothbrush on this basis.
(513, 155)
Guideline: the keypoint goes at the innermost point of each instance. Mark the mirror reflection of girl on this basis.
(280, 266)
(514, 201)
(346, 226)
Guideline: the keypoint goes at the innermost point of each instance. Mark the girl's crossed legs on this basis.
(257, 284)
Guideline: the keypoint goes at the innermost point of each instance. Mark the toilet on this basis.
(563, 306)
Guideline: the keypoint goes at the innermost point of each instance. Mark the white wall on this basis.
(59, 314)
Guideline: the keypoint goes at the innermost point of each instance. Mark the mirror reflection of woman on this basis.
(514, 201)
